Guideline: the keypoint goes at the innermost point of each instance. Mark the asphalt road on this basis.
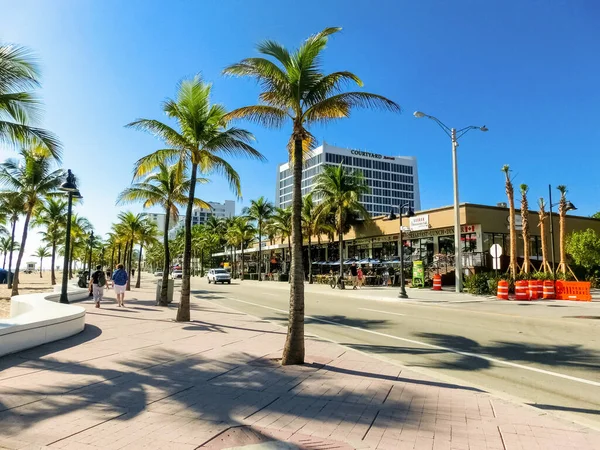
(546, 354)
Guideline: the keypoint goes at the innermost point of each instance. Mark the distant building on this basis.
(201, 215)
(393, 180)
(159, 220)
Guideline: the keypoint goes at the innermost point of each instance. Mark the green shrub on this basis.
(477, 284)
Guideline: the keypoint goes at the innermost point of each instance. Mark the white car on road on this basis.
(218, 276)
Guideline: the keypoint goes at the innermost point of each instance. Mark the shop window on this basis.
(469, 242)
(446, 245)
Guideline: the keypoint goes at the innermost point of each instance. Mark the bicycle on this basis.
(336, 282)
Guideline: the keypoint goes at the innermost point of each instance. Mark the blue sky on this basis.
(527, 70)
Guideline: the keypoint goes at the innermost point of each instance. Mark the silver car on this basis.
(218, 276)
(177, 274)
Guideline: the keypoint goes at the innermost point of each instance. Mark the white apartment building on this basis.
(393, 180)
(200, 215)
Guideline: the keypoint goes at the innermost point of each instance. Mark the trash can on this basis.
(169, 290)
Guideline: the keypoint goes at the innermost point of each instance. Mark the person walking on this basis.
(97, 283)
(361, 277)
(385, 276)
(119, 278)
(354, 275)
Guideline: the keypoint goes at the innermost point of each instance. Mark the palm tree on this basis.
(201, 142)
(167, 188)
(145, 236)
(341, 191)
(525, 227)
(42, 252)
(80, 229)
(130, 225)
(12, 205)
(295, 88)
(562, 213)
(309, 227)
(7, 245)
(280, 225)
(260, 210)
(241, 233)
(34, 177)
(510, 193)
(542, 224)
(18, 76)
(53, 215)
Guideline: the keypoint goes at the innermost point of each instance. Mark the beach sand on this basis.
(28, 284)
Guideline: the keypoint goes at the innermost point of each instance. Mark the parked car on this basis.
(158, 273)
(177, 274)
(218, 276)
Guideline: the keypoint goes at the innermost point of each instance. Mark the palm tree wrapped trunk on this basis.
(525, 228)
(542, 224)
(562, 213)
(510, 194)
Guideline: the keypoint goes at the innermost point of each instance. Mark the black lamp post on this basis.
(90, 260)
(70, 187)
(392, 216)
(570, 207)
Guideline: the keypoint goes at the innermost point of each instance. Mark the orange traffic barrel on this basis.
(521, 290)
(533, 289)
(502, 290)
(437, 282)
(540, 289)
(548, 290)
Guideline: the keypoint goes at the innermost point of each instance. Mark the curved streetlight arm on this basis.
(442, 125)
(465, 130)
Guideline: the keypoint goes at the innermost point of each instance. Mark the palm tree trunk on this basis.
(130, 263)
(4, 262)
(119, 253)
(242, 266)
(167, 261)
(139, 276)
(72, 247)
(41, 259)
(10, 257)
(183, 312)
(513, 237)
(259, 250)
(562, 265)
(341, 243)
(15, 286)
(543, 239)
(52, 261)
(310, 280)
(293, 351)
(112, 258)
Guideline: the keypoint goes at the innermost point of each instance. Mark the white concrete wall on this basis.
(37, 319)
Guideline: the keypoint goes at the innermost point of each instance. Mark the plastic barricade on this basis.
(548, 293)
(521, 290)
(502, 290)
(437, 282)
(533, 289)
(573, 290)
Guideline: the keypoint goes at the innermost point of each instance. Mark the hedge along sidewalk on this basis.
(135, 378)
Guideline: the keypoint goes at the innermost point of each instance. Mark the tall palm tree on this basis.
(18, 106)
(35, 178)
(167, 188)
(562, 213)
(280, 225)
(7, 245)
(146, 236)
(52, 214)
(80, 230)
(510, 194)
(260, 210)
(202, 142)
(310, 219)
(295, 88)
(341, 191)
(542, 224)
(42, 252)
(240, 234)
(12, 205)
(525, 227)
(130, 226)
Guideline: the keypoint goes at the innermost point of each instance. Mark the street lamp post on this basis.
(570, 207)
(454, 135)
(70, 187)
(392, 216)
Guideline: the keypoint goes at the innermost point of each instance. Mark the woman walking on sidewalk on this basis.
(119, 281)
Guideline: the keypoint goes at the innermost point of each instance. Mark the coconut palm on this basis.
(311, 224)
(42, 252)
(542, 224)
(260, 210)
(240, 234)
(167, 188)
(12, 205)
(562, 213)
(130, 225)
(80, 230)
(202, 142)
(52, 214)
(525, 228)
(145, 236)
(341, 191)
(18, 106)
(295, 88)
(7, 245)
(280, 224)
(510, 193)
(34, 177)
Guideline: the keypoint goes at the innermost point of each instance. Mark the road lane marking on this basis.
(437, 347)
(383, 312)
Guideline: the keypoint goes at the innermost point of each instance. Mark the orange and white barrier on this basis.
(548, 292)
(502, 290)
(533, 289)
(573, 290)
(521, 290)
(437, 282)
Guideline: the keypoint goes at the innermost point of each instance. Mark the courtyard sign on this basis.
(367, 154)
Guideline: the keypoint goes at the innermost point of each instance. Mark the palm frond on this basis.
(341, 105)
(268, 116)
(150, 162)
(18, 134)
(161, 131)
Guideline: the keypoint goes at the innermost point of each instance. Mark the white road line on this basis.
(383, 312)
(437, 347)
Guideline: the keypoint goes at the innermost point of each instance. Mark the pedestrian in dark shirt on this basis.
(354, 274)
(97, 283)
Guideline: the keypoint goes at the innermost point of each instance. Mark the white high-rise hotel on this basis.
(393, 180)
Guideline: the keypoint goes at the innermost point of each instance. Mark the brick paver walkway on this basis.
(136, 379)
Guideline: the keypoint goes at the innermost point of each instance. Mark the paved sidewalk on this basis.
(136, 379)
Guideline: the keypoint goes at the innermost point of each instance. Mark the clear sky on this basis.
(526, 69)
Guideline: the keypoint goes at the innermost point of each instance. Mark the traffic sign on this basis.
(496, 250)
